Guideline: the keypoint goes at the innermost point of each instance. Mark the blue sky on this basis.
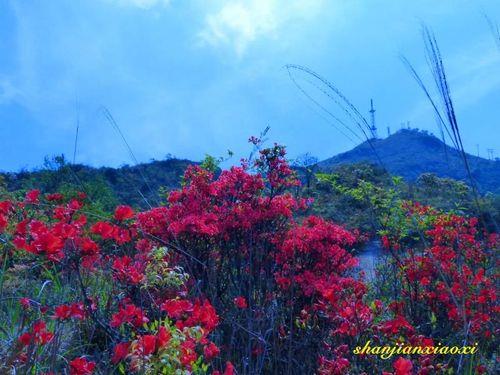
(199, 77)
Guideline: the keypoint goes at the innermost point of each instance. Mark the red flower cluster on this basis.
(75, 310)
(240, 302)
(123, 213)
(113, 232)
(62, 237)
(188, 314)
(402, 366)
(451, 272)
(32, 197)
(128, 271)
(81, 366)
(130, 314)
(38, 335)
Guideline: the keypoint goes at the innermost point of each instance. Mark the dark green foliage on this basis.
(357, 195)
(352, 194)
(134, 185)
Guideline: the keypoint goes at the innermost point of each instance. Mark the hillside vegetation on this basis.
(137, 185)
(241, 272)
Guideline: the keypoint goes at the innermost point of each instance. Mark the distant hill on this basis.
(411, 152)
(407, 153)
(136, 185)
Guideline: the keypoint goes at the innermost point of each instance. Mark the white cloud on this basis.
(237, 24)
(144, 4)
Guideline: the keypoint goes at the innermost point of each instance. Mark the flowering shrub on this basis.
(444, 286)
(106, 286)
(224, 278)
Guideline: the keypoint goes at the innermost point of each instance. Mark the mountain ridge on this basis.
(411, 152)
(407, 153)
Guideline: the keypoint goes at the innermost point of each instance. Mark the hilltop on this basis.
(137, 185)
(411, 152)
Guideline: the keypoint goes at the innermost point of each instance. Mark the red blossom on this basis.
(175, 308)
(163, 337)
(123, 213)
(146, 345)
(75, 310)
(62, 312)
(402, 366)
(188, 353)
(25, 303)
(210, 351)
(120, 352)
(397, 325)
(127, 271)
(130, 314)
(240, 302)
(32, 196)
(6, 207)
(3, 223)
(38, 335)
(55, 197)
(229, 369)
(105, 230)
(203, 314)
(81, 366)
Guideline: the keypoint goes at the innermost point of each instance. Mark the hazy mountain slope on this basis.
(137, 185)
(409, 153)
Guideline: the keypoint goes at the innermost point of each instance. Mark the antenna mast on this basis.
(373, 128)
(490, 152)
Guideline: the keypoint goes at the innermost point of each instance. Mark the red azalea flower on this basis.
(42, 336)
(229, 369)
(78, 310)
(75, 310)
(38, 335)
(176, 307)
(205, 314)
(240, 302)
(120, 352)
(125, 270)
(6, 207)
(75, 205)
(188, 354)
(163, 337)
(88, 247)
(25, 303)
(105, 230)
(146, 344)
(395, 325)
(62, 312)
(129, 314)
(210, 351)
(402, 366)
(80, 366)
(56, 197)
(25, 339)
(33, 196)
(123, 213)
(3, 223)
